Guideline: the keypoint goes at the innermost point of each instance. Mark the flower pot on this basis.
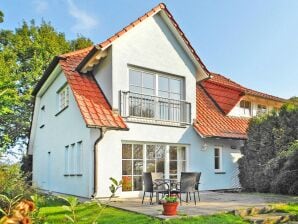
(170, 208)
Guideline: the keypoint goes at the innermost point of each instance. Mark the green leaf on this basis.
(114, 181)
(67, 208)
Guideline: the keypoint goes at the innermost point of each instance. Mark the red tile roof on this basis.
(91, 101)
(211, 122)
(148, 14)
(225, 96)
(222, 80)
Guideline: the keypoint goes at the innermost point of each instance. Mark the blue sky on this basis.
(252, 42)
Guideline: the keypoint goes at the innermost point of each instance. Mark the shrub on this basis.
(270, 155)
(284, 181)
(13, 183)
(294, 188)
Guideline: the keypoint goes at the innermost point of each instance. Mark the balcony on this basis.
(143, 108)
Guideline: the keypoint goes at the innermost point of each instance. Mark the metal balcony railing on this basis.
(154, 109)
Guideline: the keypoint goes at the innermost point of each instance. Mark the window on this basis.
(245, 107)
(132, 167)
(73, 159)
(217, 159)
(160, 158)
(63, 96)
(261, 109)
(177, 161)
(155, 95)
(66, 160)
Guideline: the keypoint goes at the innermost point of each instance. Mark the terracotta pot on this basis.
(170, 208)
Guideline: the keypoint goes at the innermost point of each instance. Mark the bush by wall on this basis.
(270, 155)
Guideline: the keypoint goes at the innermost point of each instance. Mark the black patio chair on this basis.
(187, 185)
(152, 187)
(198, 184)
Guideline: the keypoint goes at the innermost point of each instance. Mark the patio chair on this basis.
(187, 185)
(198, 183)
(153, 187)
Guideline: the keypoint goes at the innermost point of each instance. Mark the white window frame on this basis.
(220, 169)
(156, 83)
(73, 159)
(244, 109)
(63, 92)
(262, 109)
(66, 160)
(166, 160)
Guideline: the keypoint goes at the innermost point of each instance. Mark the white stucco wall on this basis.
(64, 129)
(110, 155)
(238, 112)
(103, 76)
(151, 45)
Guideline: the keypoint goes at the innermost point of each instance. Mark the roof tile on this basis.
(211, 122)
(91, 101)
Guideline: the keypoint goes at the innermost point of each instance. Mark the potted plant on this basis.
(170, 205)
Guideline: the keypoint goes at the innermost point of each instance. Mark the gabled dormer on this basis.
(224, 107)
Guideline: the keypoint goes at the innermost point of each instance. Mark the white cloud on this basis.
(40, 6)
(83, 21)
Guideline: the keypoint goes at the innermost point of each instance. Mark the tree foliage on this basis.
(1, 17)
(270, 155)
(24, 55)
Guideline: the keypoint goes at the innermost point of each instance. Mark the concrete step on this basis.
(270, 218)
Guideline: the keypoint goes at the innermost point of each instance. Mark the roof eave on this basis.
(87, 58)
(46, 74)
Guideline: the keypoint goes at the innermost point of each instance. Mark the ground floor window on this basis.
(150, 157)
(217, 159)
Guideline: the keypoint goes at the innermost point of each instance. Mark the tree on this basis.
(24, 55)
(1, 17)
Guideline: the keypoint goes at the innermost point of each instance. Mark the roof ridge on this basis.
(245, 89)
(154, 10)
(71, 53)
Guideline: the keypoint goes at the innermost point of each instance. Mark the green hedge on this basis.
(270, 155)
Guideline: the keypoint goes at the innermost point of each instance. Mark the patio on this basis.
(211, 203)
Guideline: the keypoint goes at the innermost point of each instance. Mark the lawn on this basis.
(289, 208)
(89, 212)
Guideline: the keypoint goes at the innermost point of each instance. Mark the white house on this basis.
(140, 101)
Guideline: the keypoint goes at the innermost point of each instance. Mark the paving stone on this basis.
(211, 203)
(270, 218)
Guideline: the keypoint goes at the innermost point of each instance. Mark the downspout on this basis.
(95, 161)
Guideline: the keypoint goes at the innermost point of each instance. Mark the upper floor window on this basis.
(245, 107)
(157, 96)
(261, 109)
(63, 98)
(148, 83)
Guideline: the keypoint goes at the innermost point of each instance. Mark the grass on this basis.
(88, 212)
(289, 208)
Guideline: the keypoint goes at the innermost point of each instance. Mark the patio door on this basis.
(150, 157)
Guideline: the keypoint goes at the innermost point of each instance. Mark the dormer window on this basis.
(262, 109)
(245, 107)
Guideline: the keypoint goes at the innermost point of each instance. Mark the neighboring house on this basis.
(140, 101)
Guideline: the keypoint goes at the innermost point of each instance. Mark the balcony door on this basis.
(155, 95)
(170, 160)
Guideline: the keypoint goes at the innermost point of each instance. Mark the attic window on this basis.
(63, 98)
(245, 107)
(262, 109)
